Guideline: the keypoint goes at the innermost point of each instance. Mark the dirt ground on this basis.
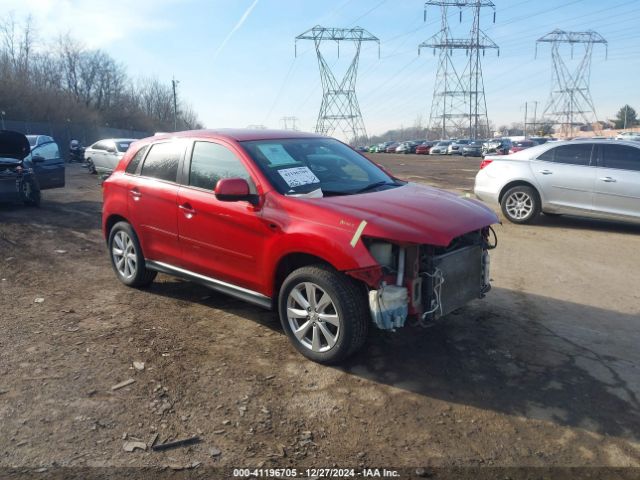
(543, 372)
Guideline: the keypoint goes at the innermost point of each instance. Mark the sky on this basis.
(236, 63)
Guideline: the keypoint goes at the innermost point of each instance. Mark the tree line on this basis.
(64, 81)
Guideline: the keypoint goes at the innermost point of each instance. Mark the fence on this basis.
(63, 133)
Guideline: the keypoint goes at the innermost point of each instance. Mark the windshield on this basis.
(32, 140)
(304, 165)
(123, 146)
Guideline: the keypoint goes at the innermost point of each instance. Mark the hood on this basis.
(412, 213)
(13, 145)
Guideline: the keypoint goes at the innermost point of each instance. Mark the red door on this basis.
(152, 202)
(222, 240)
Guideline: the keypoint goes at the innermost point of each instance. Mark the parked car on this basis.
(599, 178)
(35, 140)
(633, 136)
(521, 145)
(407, 147)
(473, 149)
(103, 156)
(391, 148)
(496, 146)
(296, 222)
(440, 148)
(456, 147)
(25, 171)
(424, 147)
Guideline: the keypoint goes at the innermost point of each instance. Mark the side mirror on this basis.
(111, 150)
(37, 158)
(234, 190)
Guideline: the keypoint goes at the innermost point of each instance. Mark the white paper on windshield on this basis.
(276, 154)
(317, 193)
(298, 176)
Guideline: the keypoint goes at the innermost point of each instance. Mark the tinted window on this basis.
(32, 140)
(162, 161)
(135, 161)
(569, 154)
(210, 162)
(99, 146)
(49, 151)
(620, 156)
(123, 146)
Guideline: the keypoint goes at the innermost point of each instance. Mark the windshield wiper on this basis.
(375, 185)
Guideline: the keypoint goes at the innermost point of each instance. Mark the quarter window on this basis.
(621, 157)
(569, 154)
(210, 162)
(162, 161)
(135, 161)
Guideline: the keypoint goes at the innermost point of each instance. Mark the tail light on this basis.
(484, 163)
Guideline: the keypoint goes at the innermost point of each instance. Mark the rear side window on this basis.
(210, 162)
(132, 168)
(569, 154)
(621, 157)
(162, 161)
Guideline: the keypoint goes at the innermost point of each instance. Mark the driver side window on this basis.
(211, 162)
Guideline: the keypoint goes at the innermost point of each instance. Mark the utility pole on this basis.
(570, 95)
(525, 119)
(459, 103)
(535, 120)
(339, 106)
(626, 108)
(174, 84)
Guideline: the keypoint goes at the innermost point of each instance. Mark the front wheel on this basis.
(324, 313)
(126, 256)
(91, 167)
(520, 204)
(30, 193)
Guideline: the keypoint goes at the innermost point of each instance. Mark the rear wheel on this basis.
(520, 204)
(30, 193)
(324, 313)
(126, 256)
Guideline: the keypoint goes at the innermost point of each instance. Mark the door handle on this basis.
(608, 179)
(546, 172)
(187, 209)
(135, 193)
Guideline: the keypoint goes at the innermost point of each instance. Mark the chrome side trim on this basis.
(218, 285)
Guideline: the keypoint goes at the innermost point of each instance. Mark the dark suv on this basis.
(25, 172)
(299, 223)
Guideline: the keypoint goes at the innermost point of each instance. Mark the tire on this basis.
(324, 341)
(30, 193)
(92, 167)
(520, 204)
(127, 258)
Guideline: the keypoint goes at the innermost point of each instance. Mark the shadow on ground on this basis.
(487, 357)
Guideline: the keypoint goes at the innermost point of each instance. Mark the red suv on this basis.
(298, 223)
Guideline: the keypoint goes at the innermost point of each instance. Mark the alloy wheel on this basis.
(519, 205)
(313, 317)
(124, 255)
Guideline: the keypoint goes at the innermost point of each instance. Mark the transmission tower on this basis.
(339, 106)
(289, 122)
(458, 105)
(570, 98)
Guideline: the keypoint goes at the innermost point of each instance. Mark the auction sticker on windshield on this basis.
(276, 154)
(298, 176)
